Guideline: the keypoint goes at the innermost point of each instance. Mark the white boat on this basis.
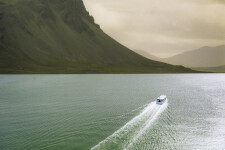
(161, 99)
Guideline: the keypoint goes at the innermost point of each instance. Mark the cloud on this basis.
(162, 27)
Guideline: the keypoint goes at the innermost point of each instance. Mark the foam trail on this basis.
(134, 129)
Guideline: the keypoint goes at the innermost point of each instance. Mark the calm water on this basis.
(112, 112)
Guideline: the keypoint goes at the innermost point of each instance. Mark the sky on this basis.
(161, 27)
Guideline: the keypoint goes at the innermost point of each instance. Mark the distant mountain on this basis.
(149, 56)
(219, 69)
(59, 36)
(203, 57)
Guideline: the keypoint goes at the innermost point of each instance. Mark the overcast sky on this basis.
(161, 27)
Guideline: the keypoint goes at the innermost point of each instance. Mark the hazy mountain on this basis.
(59, 36)
(149, 56)
(203, 57)
(212, 69)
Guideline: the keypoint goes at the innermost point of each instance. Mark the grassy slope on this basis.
(54, 36)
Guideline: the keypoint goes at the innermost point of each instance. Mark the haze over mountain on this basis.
(205, 57)
(55, 36)
(202, 57)
(149, 56)
(163, 28)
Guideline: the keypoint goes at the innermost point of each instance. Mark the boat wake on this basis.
(125, 137)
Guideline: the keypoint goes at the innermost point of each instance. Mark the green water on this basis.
(80, 112)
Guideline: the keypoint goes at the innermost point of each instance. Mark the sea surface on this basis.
(112, 112)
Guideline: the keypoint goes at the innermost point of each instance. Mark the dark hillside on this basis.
(60, 36)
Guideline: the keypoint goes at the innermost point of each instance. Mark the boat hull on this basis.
(161, 102)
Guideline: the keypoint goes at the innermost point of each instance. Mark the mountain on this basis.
(149, 56)
(60, 36)
(219, 69)
(203, 57)
(210, 59)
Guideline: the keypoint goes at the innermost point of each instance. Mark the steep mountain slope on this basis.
(203, 57)
(59, 36)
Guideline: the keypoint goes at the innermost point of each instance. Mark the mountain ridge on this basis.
(202, 58)
(55, 36)
(148, 55)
